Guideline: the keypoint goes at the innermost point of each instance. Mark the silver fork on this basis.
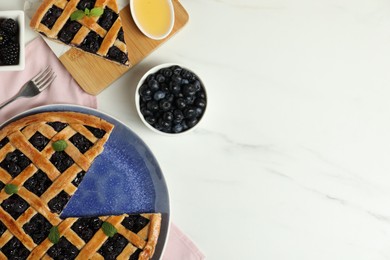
(34, 86)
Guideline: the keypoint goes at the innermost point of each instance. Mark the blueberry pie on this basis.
(43, 159)
(93, 26)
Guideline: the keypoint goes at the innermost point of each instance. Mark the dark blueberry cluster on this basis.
(107, 19)
(113, 247)
(98, 133)
(14, 249)
(121, 35)
(81, 142)
(3, 228)
(63, 250)
(57, 126)
(135, 255)
(86, 4)
(15, 206)
(9, 42)
(58, 203)
(15, 162)
(79, 177)
(87, 227)
(92, 42)
(38, 183)
(135, 223)
(4, 142)
(51, 16)
(39, 141)
(38, 228)
(68, 32)
(114, 53)
(61, 161)
(172, 100)
(2, 185)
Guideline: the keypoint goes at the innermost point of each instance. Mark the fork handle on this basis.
(8, 101)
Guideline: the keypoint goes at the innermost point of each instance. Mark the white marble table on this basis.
(292, 159)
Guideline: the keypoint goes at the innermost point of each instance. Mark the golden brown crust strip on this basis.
(65, 117)
(154, 231)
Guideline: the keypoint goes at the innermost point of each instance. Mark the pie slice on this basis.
(93, 26)
(43, 159)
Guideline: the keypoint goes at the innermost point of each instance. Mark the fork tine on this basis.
(40, 73)
(47, 83)
(44, 77)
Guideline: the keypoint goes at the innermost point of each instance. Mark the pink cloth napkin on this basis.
(180, 247)
(64, 88)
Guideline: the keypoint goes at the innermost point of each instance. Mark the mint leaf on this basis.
(59, 145)
(109, 229)
(54, 235)
(87, 11)
(97, 11)
(77, 15)
(11, 189)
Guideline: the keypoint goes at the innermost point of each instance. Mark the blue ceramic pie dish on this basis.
(125, 178)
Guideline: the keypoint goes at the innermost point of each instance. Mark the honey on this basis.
(153, 17)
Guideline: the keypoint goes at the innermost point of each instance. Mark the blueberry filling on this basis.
(87, 227)
(86, 4)
(61, 161)
(4, 142)
(135, 223)
(68, 32)
(107, 19)
(39, 141)
(92, 42)
(121, 35)
(51, 16)
(1, 185)
(3, 228)
(38, 183)
(81, 142)
(57, 126)
(114, 53)
(15, 206)
(98, 133)
(14, 249)
(63, 250)
(76, 182)
(15, 162)
(135, 255)
(58, 203)
(113, 246)
(38, 228)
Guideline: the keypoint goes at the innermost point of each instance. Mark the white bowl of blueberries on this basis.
(171, 99)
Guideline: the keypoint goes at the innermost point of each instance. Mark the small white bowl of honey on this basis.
(154, 18)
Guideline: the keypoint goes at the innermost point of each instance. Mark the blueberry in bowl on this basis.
(171, 99)
(11, 40)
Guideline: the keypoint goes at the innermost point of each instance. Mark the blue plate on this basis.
(125, 178)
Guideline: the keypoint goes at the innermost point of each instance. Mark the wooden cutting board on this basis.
(94, 74)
